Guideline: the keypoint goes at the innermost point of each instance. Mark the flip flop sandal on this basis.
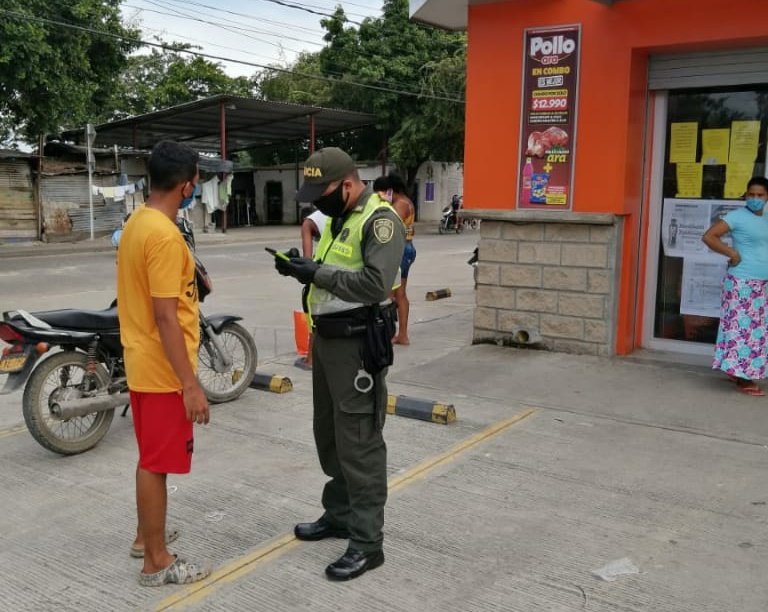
(178, 572)
(751, 390)
(171, 535)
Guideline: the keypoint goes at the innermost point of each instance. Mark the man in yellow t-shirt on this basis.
(159, 330)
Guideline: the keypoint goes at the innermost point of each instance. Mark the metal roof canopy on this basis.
(452, 14)
(249, 123)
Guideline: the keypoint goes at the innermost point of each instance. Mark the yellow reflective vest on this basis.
(345, 252)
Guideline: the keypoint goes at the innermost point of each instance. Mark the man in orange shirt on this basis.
(159, 329)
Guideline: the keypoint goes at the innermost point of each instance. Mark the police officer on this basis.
(355, 269)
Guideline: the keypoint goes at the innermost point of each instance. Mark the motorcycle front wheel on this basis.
(227, 385)
(63, 377)
(441, 227)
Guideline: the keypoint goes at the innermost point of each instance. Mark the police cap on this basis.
(321, 169)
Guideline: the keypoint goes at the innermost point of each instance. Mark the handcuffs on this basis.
(363, 381)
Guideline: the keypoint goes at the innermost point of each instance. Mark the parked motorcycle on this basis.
(70, 363)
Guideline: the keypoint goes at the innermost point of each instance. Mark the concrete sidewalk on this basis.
(557, 466)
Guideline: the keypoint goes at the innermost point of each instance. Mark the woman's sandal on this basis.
(178, 572)
(171, 535)
(750, 389)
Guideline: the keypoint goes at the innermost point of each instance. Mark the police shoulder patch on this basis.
(383, 229)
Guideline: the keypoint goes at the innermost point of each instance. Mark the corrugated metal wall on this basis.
(66, 207)
(18, 212)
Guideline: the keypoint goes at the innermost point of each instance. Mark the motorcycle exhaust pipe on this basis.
(69, 409)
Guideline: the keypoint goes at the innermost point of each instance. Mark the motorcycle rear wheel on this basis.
(59, 374)
(226, 386)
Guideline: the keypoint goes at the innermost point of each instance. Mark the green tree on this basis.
(167, 77)
(397, 58)
(411, 77)
(298, 84)
(52, 75)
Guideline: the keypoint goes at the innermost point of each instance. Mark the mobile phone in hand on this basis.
(277, 254)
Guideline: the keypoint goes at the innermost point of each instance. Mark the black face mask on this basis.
(333, 204)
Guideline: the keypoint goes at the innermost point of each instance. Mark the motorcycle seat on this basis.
(81, 320)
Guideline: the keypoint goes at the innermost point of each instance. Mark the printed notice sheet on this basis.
(683, 142)
(702, 286)
(714, 146)
(737, 175)
(744, 138)
(689, 180)
(684, 222)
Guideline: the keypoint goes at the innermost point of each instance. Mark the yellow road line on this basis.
(421, 469)
(228, 573)
(12, 431)
(244, 565)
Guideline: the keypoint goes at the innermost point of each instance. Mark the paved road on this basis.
(557, 466)
(245, 283)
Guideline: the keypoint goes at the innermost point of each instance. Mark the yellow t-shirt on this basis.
(154, 261)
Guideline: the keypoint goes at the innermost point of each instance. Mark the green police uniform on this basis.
(360, 266)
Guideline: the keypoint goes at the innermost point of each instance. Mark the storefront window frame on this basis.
(658, 123)
(658, 119)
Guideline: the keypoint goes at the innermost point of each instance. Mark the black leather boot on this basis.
(354, 563)
(319, 530)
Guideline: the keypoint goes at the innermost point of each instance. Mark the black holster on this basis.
(377, 350)
(378, 354)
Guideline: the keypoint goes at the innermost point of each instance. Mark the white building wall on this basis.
(448, 179)
(287, 176)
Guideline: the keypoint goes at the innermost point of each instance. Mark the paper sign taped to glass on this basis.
(685, 221)
(702, 285)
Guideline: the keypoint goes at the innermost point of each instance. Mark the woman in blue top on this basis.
(741, 349)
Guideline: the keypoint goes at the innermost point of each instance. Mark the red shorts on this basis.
(163, 432)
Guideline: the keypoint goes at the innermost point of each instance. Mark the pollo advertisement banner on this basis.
(550, 96)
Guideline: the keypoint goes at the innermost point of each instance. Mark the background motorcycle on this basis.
(71, 395)
(448, 222)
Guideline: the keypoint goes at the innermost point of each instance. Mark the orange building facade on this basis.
(662, 121)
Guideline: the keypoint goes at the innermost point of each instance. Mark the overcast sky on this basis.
(259, 31)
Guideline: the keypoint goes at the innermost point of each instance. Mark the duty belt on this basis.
(345, 324)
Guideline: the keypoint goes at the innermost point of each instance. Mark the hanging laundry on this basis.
(108, 192)
(211, 194)
(119, 193)
(225, 191)
(130, 189)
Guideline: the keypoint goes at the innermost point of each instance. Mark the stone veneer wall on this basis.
(552, 274)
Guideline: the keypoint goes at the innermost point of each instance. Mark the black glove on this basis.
(290, 253)
(301, 268)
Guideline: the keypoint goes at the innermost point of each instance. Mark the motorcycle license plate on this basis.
(12, 363)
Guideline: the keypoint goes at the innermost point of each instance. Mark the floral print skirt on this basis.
(741, 339)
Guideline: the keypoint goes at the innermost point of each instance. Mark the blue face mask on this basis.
(755, 204)
(187, 202)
